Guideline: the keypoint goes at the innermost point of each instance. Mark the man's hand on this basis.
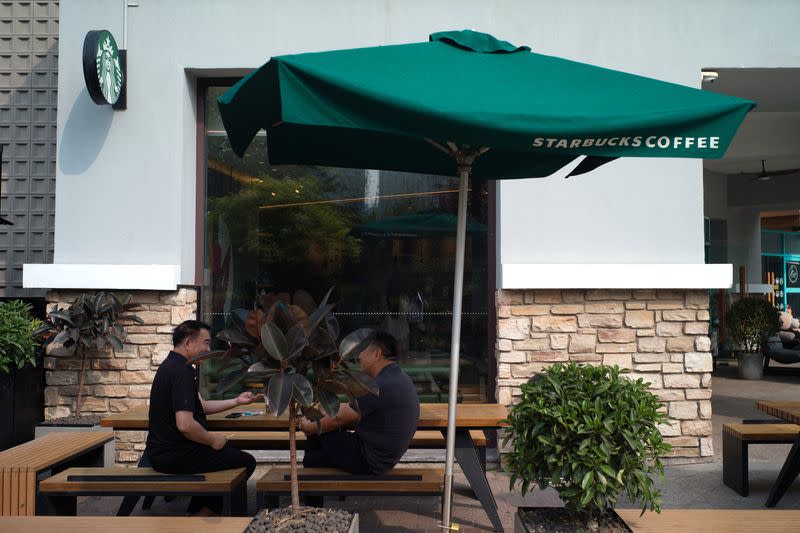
(309, 427)
(248, 397)
(218, 441)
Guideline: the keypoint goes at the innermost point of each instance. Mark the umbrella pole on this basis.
(464, 169)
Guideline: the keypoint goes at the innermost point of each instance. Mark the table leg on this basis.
(791, 467)
(469, 461)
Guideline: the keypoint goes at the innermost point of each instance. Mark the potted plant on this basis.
(750, 321)
(592, 434)
(19, 377)
(293, 349)
(87, 328)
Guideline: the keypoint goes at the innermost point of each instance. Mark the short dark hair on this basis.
(386, 342)
(188, 329)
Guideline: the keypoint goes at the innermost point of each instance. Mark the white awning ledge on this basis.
(615, 276)
(120, 277)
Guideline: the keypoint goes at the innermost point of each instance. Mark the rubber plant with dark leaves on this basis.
(294, 351)
(90, 324)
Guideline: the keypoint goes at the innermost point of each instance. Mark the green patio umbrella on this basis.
(469, 103)
(415, 225)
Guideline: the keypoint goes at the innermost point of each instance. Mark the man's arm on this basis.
(217, 406)
(346, 417)
(193, 431)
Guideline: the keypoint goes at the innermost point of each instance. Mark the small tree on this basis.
(17, 340)
(590, 433)
(750, 320)
(91, 323)
(296, 355)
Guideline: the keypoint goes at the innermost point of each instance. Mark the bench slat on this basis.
(763, 432)
(431, 481)
(224, 480)
(53, 448)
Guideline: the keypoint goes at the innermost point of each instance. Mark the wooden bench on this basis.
(735, 440)
(321, 482)
(23, 466)
(711, 520)
(279, 440)
(62, 489)
(139, 524)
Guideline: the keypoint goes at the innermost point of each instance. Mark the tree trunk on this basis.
(293, 456)
(81, 377)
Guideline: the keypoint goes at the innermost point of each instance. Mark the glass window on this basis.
(384, 240)
(771, 242)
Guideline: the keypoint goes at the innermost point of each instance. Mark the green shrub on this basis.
(750, 320)
(17, 342)
(589, 432)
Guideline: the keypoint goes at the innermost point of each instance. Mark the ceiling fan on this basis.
(766, 176)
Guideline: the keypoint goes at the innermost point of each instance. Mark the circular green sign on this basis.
(102, 70)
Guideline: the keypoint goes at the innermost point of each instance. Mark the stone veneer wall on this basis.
(661, 335)
(116, 382)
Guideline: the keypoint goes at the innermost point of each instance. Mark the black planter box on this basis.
(21, 405)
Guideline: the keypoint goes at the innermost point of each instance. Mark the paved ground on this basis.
(685, 486)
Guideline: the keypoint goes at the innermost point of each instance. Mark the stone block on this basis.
(154, 317)
(651, 344)
(616, 335)
(698, 394)
(509, 297)
(559, 341)
(554, 324)
(702, 315)
(101, 376)
(706, 447)
(57, 412)
(702, 344)
(173, 298)
(547, 296)
(512, 357)
(679, 315)
(644, 294)
(669, 329)
(155, 338)
(136, 376)
(537, 345)
(681, 441)
(530, 310)
(683, 452)
(648, 367)
(700, 428)
(670, 294)
(620, 360)
(139, 391)
(586, 358)
(665, 304)
(670, 429)
(655, 380)
(514, 329)
(503, 311)
(61, 378)
(600, 320)
(504, 395)
(682, 381)
(650, 358)
(112, 391)
(639, 319)
(183, 313)
(686, 410)
(108, 364)
(191, 296)
(705, 380)
(604, 308)
(608, 294)
(50, 396)
(669, 395)
(128, 456)
(705, 408)
(698, 362)
(696, 328)
(130, 436)
(672, 368)
(524, 371)
(697, 299)
(635, 305)
(645, 332)
(676, 358)
(94, 405)
(549, 356)
(616, 348)
(120, 405)
(581, 343)
(141, 329)
(138, 364)
(566, 309)
(680, 344)
(503, 371)
(572, 296)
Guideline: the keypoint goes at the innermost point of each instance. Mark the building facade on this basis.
(607, 267)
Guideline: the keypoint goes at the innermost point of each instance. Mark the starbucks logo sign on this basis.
(102, 69)
(792, 273)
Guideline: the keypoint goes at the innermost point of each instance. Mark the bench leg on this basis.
(734, 464)
(468, 460)
(266, 500)
(239, 499)
(787, 476)
(312, 500)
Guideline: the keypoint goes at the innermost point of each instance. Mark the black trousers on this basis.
(194, 458)
(336, 449)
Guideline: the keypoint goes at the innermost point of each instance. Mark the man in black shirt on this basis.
(385, 426)
(178, 442)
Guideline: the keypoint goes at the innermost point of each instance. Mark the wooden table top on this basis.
(432, 416)
(53, 448)
(789, 411)
(122, 524)
(712, 520)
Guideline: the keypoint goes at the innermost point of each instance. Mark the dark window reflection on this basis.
(385, 240)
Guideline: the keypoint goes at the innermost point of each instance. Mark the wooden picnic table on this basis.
(711, 520)
(484, 416)
(789, 411)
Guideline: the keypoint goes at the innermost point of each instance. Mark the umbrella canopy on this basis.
(375, 108)
(414, 225)
(467, 102)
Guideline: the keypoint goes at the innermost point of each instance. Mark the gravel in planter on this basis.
(72, 420)
(558, 520)
(310, 519)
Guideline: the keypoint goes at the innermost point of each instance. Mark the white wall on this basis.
(135, 170)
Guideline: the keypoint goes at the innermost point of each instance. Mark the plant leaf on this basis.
(303, 391)
(279, 392)
(274, 342)
(358, 382)
(329, 402)
(231, 379)
(355, 343)
(234, 336)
